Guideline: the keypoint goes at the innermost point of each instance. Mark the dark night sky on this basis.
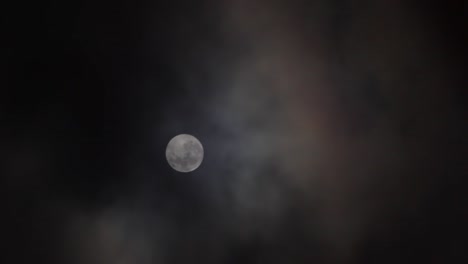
(334, 131)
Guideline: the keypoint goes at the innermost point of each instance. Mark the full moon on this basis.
(184, 153)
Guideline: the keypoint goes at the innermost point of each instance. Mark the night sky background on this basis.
(334, 131)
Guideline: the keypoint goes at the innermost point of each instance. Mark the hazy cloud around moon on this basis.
(332, 132)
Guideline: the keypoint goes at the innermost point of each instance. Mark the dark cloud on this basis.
(333, 132)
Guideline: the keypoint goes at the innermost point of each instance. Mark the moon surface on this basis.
(184, 153)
